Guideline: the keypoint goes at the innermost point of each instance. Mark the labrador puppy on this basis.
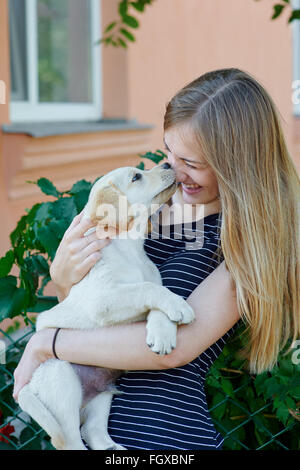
(72, 401)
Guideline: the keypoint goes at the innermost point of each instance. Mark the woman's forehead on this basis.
(180, 140)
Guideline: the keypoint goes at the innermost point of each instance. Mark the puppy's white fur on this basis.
(124, 286)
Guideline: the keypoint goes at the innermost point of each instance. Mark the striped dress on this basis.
(167, 409)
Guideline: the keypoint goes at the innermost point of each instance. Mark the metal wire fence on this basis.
(246, 420)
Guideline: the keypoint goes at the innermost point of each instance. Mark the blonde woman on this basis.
(224, 141)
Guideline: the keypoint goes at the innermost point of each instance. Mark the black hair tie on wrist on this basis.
(53, 343)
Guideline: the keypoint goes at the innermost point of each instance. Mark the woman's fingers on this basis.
(80, 227)
(94, 246)
(76, 220)
(78, 246)
(86, 265)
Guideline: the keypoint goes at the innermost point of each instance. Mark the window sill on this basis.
(67, 152)
(48, 129)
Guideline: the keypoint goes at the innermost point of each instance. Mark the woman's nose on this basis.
(177, 167)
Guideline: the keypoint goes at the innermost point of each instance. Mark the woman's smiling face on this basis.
(198, 181)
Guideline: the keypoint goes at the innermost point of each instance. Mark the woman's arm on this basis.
(124, 346)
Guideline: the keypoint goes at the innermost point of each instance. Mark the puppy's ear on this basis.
(108, 219)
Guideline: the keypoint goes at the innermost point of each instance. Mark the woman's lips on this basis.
(191, 190)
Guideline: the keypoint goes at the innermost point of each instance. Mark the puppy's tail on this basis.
(32, 405)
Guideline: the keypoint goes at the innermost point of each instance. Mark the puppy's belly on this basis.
(95, 380)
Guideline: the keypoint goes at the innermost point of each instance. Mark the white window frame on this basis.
(32, 110)
(296, 62)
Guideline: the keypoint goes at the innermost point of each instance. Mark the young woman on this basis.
(224, 141)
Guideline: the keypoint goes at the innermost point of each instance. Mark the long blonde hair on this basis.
(236, 126)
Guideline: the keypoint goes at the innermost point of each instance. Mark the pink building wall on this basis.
(178, 40)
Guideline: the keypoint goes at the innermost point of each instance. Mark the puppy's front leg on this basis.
(141, 297)
(62, 316)
(161, 332)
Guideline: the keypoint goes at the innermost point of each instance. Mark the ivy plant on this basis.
(121, 31)
(34, 243)
(250, 411)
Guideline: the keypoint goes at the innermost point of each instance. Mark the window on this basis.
(55, 61)
(296, 61)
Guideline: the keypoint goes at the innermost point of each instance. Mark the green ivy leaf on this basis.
(127, 34)
(13, 300)
(43, 213)
(260, 383)
(6, 263)
(294, 16)
(81, 185)
(227, 386)
(155, 157)
(122, 43)
(110, 27)
(59, 227)
(48, 188)
(282, 414)
(17, 234)
(123, 8)
(277, 10)
(81, 199)
(49, 240)
(40, 265)
(64, 208)
(139, 6)
(31, 213)
(141, 166)
(131, 21)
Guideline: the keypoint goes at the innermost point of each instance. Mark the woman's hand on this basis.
(37, 351)
(76, 255)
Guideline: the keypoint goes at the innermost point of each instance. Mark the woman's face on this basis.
(198, 182)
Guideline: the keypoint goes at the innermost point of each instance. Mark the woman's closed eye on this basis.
(190, 166)
(201, 164)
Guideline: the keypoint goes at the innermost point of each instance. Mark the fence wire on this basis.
(242, 426)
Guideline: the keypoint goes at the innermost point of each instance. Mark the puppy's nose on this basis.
(166, 166)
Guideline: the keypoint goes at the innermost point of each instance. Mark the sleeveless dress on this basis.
(167, 409)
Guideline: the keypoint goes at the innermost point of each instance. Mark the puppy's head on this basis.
(115, 197)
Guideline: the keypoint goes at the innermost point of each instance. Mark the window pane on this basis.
(18, 50)
(64, 50)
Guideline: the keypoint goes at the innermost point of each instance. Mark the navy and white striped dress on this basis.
(167, 409)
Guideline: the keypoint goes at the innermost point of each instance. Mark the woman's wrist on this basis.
(37, 351)
(62, 292)
(41, 344)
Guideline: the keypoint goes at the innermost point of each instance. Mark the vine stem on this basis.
(232, 370)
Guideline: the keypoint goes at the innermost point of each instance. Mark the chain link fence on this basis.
(246, 420)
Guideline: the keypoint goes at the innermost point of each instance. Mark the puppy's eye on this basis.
(136, 177)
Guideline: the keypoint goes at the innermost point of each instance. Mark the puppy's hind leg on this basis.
(32, 405)
(94, 417)
(53, 399)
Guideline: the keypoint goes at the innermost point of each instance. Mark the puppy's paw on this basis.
(161, 333)
(179, 311)
(188, 314)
